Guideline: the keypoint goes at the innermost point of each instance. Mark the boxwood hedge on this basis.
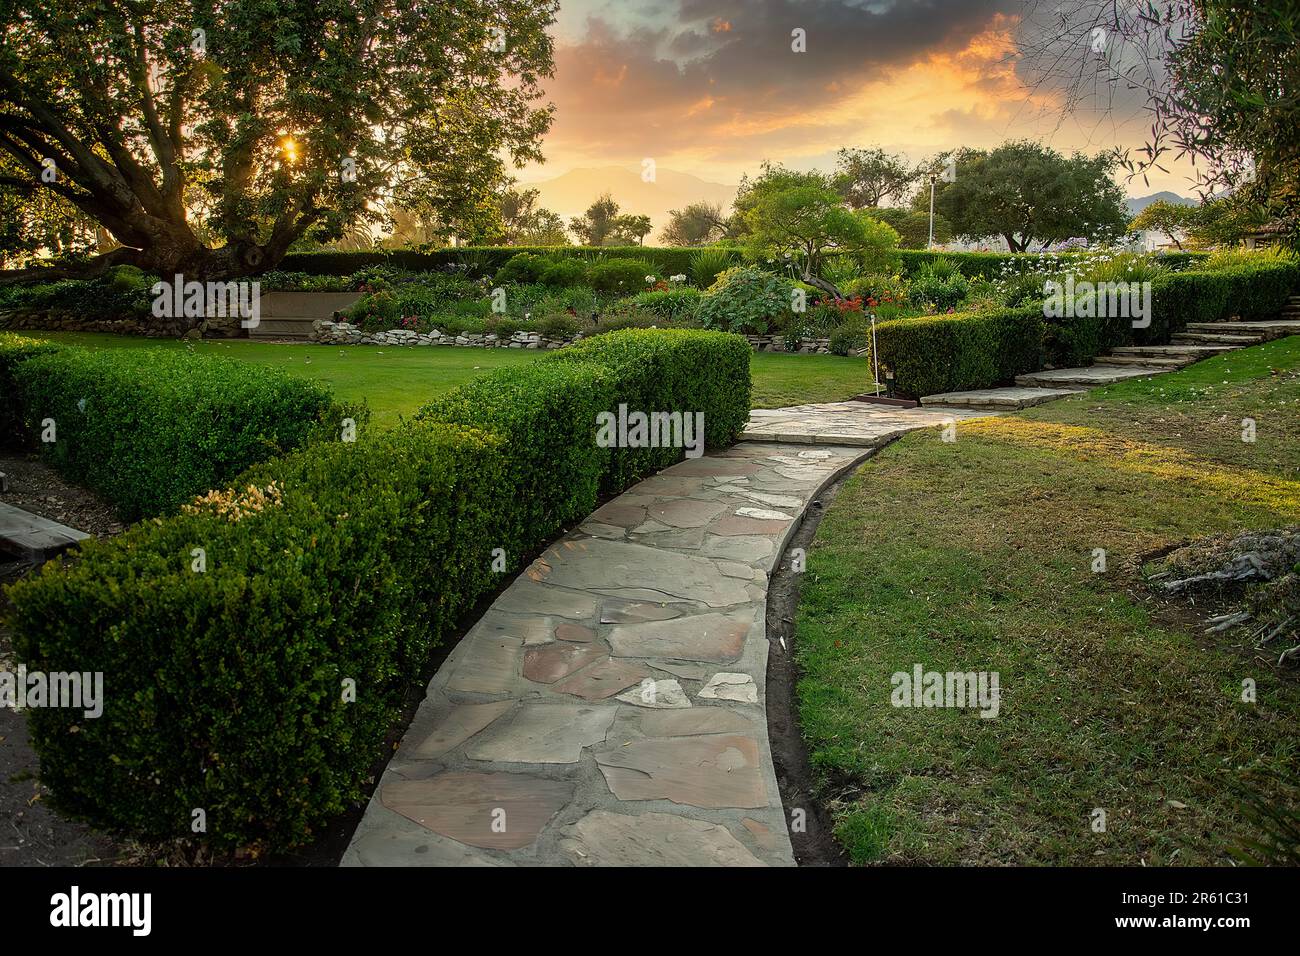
(487, 260)
(336, 566)
(14, 350)
(967, 351)
(151, 428)
(949, 353)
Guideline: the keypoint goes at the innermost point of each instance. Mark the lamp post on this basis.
(930, 244)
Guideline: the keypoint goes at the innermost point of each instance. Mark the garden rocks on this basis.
(330, 332)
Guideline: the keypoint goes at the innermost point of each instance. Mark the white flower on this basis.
(650, 279)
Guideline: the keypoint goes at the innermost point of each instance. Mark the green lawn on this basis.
(396, 381)
(976, 556)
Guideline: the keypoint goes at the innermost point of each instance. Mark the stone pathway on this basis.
(608, 709)
(845, 423)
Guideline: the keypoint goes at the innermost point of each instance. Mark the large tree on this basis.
(209, 136)
(596, 225)
(524, 223)
(697, 224)
(1025, 193)
(868, 177)
(801, 216)
(1170, 219)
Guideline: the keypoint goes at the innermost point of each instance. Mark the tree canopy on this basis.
(802, 217)
(1026, 193)
(1170, 219)
(208, 137)
(868, 177)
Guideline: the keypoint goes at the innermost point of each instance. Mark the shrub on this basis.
(564, 273)
(559, 325)
(374, 312)
(337, 561)
(224, 688)
(625, 276)
(524, 267)
(15, 349)
(946, 353)
(676, 304)
(851, 335)
(746, 299)
(150, 428)
(937, 288)
(707, 264)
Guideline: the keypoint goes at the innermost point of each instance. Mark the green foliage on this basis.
(148, 428)
(678, 304)
(851, 335)
(707, 264)
(1024, 191)
(621, 276)
(338, 561)
(259, 165)
(746, 299)
(225, 688)
(804, 219)
(15, 349)
(947, 353)
(524, 267)
(940, 285)
(565, 273)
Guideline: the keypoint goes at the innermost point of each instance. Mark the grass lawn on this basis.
(397, 381)
(976, 556)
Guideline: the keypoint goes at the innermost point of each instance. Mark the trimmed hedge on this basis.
(965, 351)
(151, 428)
(674, 260)
(546, 410)
(950, 353)
(224, 689)
(15, 349)
(989, 264)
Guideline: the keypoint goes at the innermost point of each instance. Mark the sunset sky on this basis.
(712, 87)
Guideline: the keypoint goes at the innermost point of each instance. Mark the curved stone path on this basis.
(608, 709)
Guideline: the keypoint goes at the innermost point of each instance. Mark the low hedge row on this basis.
(950, 353)
(487, 260)
(337, 566)
(14, 350)
(989, 264)
(931, 355)
(546, 411)
(151, 428)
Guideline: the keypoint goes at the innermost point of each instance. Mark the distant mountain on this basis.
(1135, 206)
(571, 193)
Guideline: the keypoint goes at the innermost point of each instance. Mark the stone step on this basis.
(991, 398)
(1086, 377)
(1273, 328)
(1227, 340)
(1177, 361)
(32, 537)
(1172, 351)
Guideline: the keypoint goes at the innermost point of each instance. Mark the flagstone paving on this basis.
(608, 709)
(843, 423)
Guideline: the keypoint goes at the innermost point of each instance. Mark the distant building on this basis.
(1261, 237)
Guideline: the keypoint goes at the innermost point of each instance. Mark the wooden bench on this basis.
(32, 537)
